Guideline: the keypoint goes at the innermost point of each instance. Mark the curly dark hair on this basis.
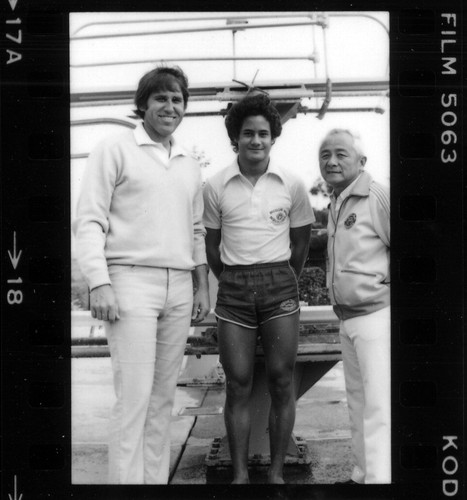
(253, 105)
(160, 78)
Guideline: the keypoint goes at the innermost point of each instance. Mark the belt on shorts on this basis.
(257, 266)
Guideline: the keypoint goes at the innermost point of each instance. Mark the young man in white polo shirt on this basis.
(258, 221)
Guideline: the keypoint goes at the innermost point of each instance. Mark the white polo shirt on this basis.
(255, 220)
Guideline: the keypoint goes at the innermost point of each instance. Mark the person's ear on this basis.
(362, 161)
(143, 109)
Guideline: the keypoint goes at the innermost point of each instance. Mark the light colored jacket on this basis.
(358, 250)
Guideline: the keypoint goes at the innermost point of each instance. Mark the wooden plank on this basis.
(318, 335)
(309, 315)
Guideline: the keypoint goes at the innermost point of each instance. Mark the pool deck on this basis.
(321, 421)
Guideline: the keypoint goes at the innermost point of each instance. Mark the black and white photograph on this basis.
(232, 250)
(222, 163)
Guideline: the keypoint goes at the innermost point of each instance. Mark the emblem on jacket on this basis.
(278, 215)
(350, 221)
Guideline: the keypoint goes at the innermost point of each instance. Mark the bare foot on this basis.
(275, 479)
(241, 480)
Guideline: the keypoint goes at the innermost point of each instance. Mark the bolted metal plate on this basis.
(190, 411)
(219, 455)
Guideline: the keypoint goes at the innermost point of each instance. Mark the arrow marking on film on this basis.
(13, 3)
(15, 497)
(14, 258)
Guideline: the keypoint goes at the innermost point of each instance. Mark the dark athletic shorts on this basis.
(250, 296)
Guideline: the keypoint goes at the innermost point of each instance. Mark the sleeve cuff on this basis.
(97, 280)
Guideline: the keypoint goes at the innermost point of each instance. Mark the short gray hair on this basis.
(356, 139)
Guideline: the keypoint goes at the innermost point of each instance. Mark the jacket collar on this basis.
(360, 187)
(233, 171)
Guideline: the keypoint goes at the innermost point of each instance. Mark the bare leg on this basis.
(280, 343)
(237, 351)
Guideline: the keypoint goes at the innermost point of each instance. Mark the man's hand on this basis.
(201, 302)
(201, 305)
(104, 304)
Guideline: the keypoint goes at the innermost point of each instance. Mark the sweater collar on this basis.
(142, 139)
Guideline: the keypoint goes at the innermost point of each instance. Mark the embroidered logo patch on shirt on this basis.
(350, 221)
(288, 305)
(278, 215)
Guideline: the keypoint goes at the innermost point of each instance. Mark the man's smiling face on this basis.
(164, 112)
(339, 162)
(254, 141)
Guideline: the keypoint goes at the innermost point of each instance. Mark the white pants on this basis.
(146, 346)
(366, 343)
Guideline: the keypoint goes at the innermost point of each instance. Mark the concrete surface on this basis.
(321, 420)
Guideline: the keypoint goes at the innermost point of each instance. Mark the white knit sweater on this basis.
(138, 207)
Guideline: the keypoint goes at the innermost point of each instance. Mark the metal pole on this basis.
(311, 57)
(236, 15)
(234, 55)
(359, 14)
(233, 15)
(195, 30)
(101, 121)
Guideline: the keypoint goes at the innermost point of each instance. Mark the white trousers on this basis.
(366, 343)
(146, 346)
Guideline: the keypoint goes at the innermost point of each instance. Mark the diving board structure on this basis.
(287, 94)
(318, 351)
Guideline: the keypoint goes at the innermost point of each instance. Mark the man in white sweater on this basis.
(139, 236)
